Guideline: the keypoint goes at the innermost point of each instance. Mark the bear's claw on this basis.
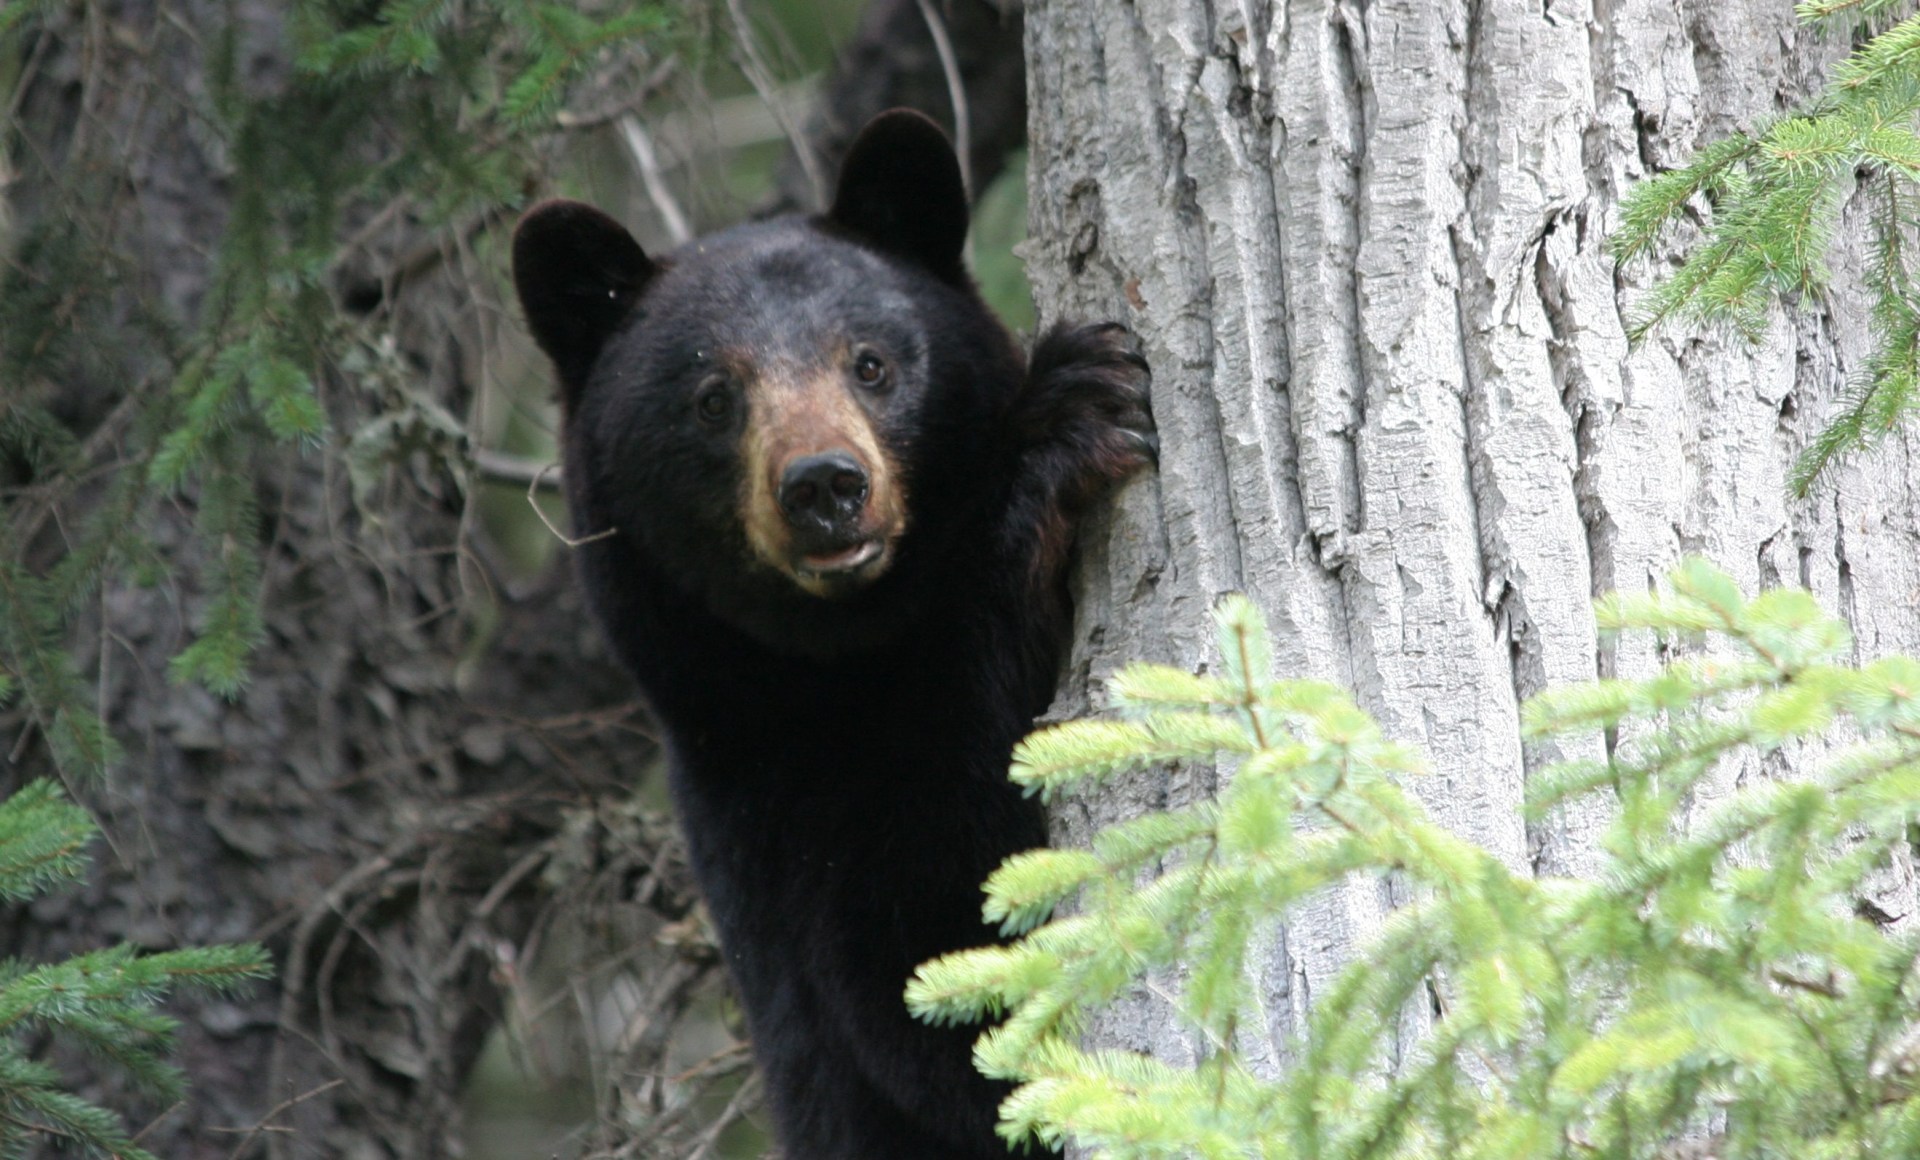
(1084, 416)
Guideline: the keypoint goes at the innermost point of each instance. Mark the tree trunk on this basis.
(1363, 244)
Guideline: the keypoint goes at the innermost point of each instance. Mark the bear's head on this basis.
(788, 420)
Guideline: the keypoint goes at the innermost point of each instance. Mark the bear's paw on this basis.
(1083, 423)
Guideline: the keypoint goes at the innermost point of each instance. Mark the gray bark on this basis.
(1362, 242)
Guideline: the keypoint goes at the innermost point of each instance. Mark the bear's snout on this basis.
(823, 495)
(823, 500)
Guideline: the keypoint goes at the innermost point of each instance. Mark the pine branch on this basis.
(460, 93)
(1715, 977)
(103, 1001)
(1772, 199)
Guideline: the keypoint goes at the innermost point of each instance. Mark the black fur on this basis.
(839, 765)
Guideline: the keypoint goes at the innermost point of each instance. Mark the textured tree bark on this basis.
(1362, 241)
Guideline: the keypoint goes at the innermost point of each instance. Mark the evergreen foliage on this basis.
(1718, 984)
(413, 112)
(103, 1001)
(410, 109)
(1776, 193)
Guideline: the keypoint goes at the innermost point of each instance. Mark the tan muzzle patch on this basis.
(790, 418)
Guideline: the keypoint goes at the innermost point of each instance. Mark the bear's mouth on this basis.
(841, 569)
(842, 560)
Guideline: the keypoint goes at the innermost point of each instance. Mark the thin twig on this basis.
(744, 1098)
(155, 1122)
(755, 66)
(654, 82)
(383, 218)
(336, 896)
(533, 502)
(500, 467)
(28, 72)
(432, 252)
(956, 93)
(529, 862)
(724, 123)
(38, 502)
(640, 146)
(261, 1125)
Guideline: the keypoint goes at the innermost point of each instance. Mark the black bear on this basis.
(828, 506)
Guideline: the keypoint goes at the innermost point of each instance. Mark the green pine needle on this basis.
(1709, 978)
(424, 112)
(104, 1001)
(1770, 200)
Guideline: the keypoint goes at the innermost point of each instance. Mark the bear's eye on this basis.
(871, 370)
(713, 402)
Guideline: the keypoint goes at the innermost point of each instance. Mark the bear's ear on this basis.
(900, 188)
(577, 272)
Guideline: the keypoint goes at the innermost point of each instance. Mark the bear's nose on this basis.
(822, 492)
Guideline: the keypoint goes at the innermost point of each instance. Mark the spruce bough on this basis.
(1775, 194)
(1718, 986)
(103, 1001)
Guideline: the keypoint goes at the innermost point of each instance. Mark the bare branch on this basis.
(640, 147)
(956, 92)
(755, 67)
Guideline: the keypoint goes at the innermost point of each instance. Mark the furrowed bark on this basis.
(1363, 246)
